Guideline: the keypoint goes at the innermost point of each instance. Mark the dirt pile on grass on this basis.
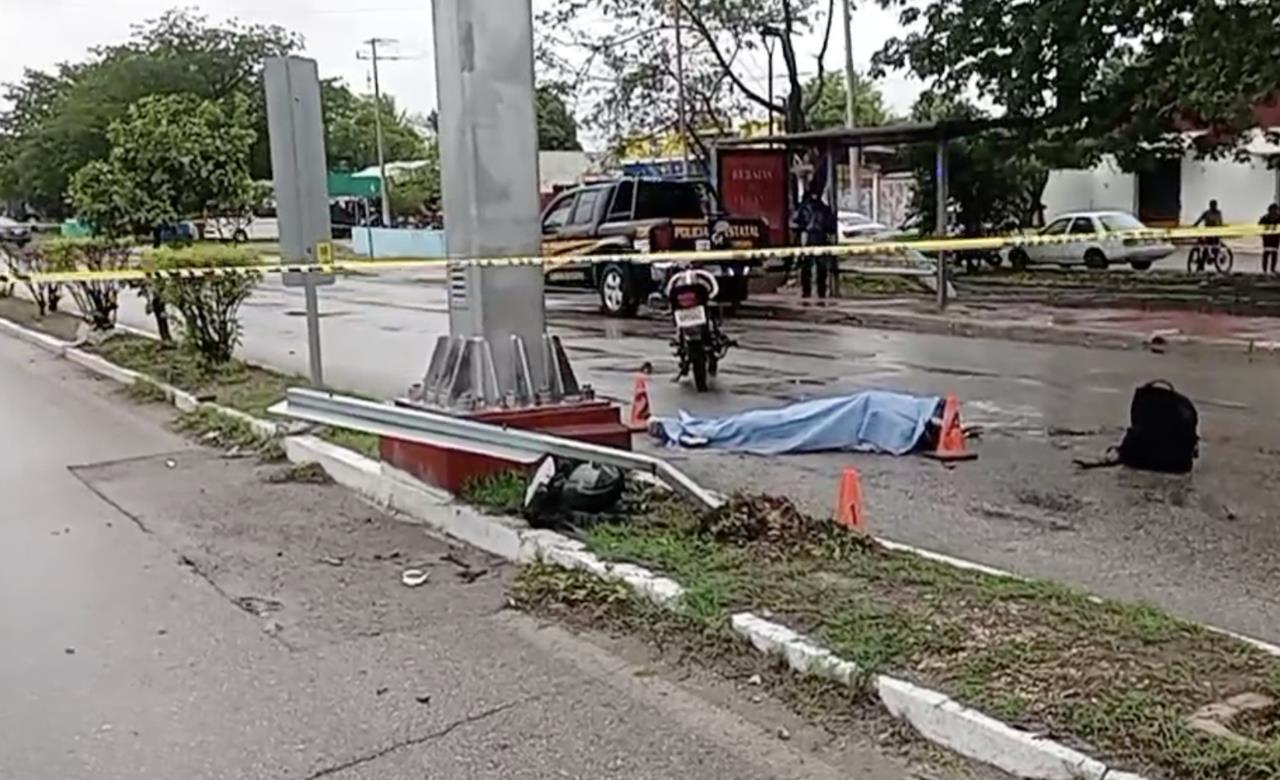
(768, 522)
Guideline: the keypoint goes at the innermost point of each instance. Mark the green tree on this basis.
(57, 121)
(418, 191)
(171, 157)
(994, 179)
(626, 67)
(1095, 76)
(351, 141)
(557, 129)
(826, 102)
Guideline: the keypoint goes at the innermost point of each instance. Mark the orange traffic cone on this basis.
(640, 411)
(951, 435)
(849, 500)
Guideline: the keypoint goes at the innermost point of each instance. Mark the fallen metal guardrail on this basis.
(382, 419)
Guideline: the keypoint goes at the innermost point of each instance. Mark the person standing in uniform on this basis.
(1270, 241)
(815, 223)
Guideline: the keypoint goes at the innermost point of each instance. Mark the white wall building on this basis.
(1175, 192)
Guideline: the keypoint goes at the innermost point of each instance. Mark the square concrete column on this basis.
(489, 168)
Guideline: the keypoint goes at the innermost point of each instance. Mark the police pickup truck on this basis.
(635, 216)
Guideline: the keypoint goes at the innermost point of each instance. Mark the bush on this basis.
(98, 300)
(209, 303)
(32, 259)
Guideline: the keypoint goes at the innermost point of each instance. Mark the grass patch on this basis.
(299, 473)
(58, 324)
(502, 491)
(684, 639)
(853, 285)
(144, 391)
(235, 384)
(364, 443)
(1115, 679)
(219, 429)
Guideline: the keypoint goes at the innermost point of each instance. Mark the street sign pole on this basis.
(295, 125)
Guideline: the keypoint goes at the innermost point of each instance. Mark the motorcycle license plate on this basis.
(691, 318)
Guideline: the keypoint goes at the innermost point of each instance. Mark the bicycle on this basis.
(1202, 255)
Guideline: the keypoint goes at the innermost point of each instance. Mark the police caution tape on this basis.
(862, 249)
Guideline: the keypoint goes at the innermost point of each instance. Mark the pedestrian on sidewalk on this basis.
(1270, 241)
(815, 224)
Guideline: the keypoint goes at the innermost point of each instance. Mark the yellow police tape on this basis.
(700, 256)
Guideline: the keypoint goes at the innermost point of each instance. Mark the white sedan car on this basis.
(1094, 248)
(855, 227)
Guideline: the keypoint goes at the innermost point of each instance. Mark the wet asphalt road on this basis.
(168, 614)
(1205, 546)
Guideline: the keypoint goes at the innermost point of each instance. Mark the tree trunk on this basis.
(162, 319)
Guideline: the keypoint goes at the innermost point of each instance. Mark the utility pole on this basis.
(850, 118)
(684, 130)
(377, 123)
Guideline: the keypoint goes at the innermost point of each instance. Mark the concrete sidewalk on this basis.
(170, 613)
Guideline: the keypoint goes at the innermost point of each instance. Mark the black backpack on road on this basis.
(1163, 432)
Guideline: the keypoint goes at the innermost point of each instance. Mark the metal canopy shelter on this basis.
(841, 139)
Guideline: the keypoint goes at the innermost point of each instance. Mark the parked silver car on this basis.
(1094, 249)
(14, 232)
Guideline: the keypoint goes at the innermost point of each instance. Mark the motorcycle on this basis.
(699, 342)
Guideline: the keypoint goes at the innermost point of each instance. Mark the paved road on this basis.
(168, 614)
(1203, 546)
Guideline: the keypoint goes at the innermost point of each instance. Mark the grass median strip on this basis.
(237, 385)
(1120, 681)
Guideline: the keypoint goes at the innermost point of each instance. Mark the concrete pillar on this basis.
(489, 170)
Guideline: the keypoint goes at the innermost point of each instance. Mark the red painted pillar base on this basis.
(447, 467)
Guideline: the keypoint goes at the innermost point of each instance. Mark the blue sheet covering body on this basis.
(867, 421)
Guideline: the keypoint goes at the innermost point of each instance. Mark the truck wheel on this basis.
(698, 363)
(240, 236)
(617, 298)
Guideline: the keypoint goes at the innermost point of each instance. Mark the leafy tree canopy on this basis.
(58, 120)
(171, 157)
(557, 129)
(826, 102)
(625, 67)
(1116, 75)
(351, 141)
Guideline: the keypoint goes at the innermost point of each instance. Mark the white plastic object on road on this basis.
(412, 578)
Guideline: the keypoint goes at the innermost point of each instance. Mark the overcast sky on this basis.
(40, 34)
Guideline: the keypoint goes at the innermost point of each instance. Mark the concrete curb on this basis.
(1033, 333)
(95, 364)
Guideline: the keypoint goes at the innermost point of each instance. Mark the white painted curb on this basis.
(942, 720)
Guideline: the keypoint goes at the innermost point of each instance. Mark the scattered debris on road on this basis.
(413, 578)
(256, 605)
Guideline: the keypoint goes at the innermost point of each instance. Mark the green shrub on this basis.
(32, 259)
(98, 300)
(209, 302)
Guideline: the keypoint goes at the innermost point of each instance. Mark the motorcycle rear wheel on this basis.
(697, 351)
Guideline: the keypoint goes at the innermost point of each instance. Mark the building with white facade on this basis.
(1175, 191)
